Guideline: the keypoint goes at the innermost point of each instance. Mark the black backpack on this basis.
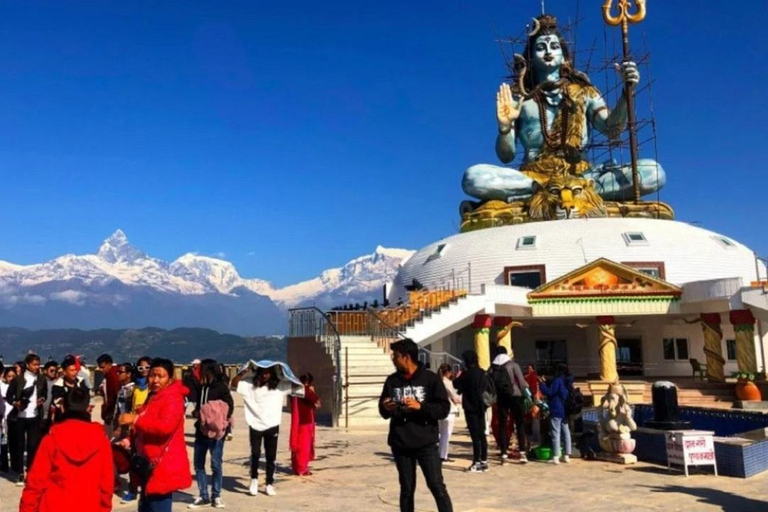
(575, 401)
(490, 393)
(501, 380)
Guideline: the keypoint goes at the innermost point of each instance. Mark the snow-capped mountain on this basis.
(121, 286)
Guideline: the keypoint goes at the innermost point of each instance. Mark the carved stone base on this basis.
(617, 458)
(499, 213)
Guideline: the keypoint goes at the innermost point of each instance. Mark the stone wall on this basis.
(306, 355)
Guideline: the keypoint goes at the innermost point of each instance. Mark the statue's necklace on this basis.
(553, 142)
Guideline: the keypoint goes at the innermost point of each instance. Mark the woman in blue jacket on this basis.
(556, 391)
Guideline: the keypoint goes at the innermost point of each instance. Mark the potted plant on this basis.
(746, 390)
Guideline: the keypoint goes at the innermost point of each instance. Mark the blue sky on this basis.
(294, 137)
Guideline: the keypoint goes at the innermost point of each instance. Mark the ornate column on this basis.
(482, 326)
(504, 335)
(607, 349)
(713, 343)
(744, 327)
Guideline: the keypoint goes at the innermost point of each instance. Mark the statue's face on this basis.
(548, 53)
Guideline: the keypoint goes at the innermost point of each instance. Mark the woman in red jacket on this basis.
(72, 470)
(159, 436)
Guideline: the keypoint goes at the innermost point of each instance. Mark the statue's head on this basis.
(545, 51)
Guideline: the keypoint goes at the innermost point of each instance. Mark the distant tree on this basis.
(375, 304)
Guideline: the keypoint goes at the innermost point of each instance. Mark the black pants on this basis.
(4, 459)
(24, 434)
(270, 451)
(476, 426)
(428, 458)
(514, 406)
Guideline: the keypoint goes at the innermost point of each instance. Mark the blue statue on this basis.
(551, 111)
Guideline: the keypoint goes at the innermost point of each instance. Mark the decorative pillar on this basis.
(504, 335)
(607, 350)
(482, 326)
(744, 327)
(713, 343)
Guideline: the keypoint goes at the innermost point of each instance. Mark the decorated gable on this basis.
(604, 287)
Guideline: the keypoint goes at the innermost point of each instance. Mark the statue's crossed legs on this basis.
(612, 181)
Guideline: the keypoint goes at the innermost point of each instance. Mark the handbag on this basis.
(142, 467)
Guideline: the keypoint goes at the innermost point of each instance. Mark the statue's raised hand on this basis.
(628, 72)
(507, 109)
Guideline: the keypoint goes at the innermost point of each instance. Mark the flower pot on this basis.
(747, 391)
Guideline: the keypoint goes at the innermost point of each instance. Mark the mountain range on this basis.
(120, 286)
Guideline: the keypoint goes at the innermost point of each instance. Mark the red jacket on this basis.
(160, 438)
(112, 380)
(72, 471)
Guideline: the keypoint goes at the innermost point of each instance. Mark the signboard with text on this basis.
(690, 448)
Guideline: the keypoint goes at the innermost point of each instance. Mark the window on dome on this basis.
(730, 349)
(725, 242)
(651, 268)
(438, 252)
(526, 242)
(528, 276)
(635, 238)
(676, 349)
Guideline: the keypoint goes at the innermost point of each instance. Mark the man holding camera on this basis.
(414, 399)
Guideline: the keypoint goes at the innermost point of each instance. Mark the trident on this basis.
(624, 18)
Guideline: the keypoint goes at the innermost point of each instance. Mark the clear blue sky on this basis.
(306, 133)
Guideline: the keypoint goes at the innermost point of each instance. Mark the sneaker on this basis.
(483, 466)
(504, 457)
(566, 459)
(20, 480)
(554, 461)
(128, 497)
(200, 503)
(475, 468)
(270, 490)
(253, 490)
(523, 458)
(218, 503)
(230, 437)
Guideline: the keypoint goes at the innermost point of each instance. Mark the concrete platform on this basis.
(354, 472)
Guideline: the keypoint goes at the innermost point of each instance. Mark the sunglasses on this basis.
(142, 368)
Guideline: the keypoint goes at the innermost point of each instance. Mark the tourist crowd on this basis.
(67, 462)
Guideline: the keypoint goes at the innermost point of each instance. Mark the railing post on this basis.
(469, 277)
(346, 387)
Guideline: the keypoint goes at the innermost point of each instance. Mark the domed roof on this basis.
(689, 253)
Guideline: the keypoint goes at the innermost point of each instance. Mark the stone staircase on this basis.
(368, 367)
(692, 393)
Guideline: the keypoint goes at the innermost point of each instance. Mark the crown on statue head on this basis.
(547, 23)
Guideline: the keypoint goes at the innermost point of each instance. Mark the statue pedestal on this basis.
(751, 405)
(617, 458)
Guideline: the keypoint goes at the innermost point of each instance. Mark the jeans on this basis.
(270, 451)
(25, 433)
(429, 460)
(156, 503)
(446, 429)
(514, 406)
(557, 425)
(476, 426)
(202, 447)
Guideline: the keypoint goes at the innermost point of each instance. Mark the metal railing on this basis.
(433, 360)
(314, 323)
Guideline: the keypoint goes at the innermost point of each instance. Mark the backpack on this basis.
(489, 393)
(502, 381)
(575, 401)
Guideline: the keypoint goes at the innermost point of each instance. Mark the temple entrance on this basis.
(550, 353)
(629, 357)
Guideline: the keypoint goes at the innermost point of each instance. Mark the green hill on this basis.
(180, 345)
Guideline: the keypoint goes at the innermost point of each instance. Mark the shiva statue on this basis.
(550, 109)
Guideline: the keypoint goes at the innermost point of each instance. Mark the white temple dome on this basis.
(688, 253)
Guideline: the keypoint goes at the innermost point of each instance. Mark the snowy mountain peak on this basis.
(220, 274)
(117, 249)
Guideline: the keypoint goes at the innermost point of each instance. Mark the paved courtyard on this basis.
(353, 472)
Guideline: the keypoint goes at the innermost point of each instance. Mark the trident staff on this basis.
(624, 18)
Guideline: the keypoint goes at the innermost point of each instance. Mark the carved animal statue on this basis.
(565, 197)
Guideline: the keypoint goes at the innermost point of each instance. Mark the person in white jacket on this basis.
(445, 372)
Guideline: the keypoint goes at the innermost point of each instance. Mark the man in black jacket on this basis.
(414, 399)
(26, 394)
